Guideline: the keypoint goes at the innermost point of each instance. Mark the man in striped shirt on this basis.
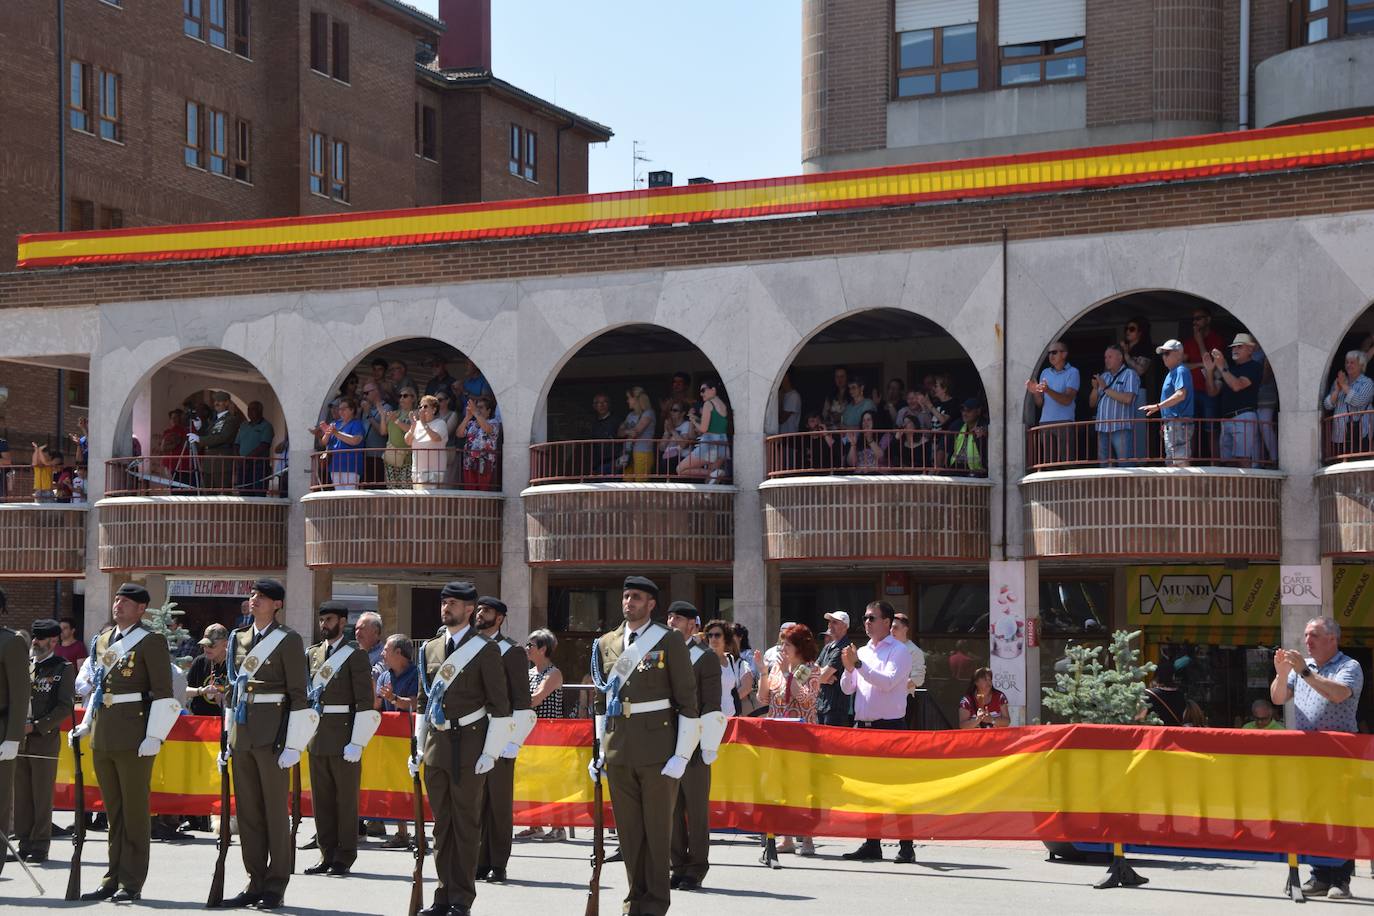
(1114, 399)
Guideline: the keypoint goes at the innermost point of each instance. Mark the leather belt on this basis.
(629, 708)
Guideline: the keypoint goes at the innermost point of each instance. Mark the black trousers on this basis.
(890, 725)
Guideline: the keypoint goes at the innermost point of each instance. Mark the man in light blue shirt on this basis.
(1055, 394)
(1175, 405)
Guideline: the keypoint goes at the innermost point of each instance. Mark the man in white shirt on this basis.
(901, 631)
(877, 676)
(789, 405)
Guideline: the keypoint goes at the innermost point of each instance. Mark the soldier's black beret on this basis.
(642, 584)
(337, 608)
(496, 604)
(463, 591)
(270, 588)
(135, 591)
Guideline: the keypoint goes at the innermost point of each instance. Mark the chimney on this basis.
(466, 42)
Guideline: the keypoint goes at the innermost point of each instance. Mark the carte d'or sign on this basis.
(1215, 596)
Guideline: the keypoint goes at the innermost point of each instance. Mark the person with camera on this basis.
(1324, 687)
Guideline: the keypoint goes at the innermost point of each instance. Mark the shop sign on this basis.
(896, 583)
(1301, 586)
(1007, 628)
(1215, 596)
(209, 588)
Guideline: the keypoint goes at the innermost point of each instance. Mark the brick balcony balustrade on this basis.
(402, 529)
(1156, 512)
(46, 540)
(212, 533)
(1345, 506)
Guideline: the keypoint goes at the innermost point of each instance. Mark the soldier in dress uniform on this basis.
(128, 716)
(14, 697)
(271, 723)
(464, 726)
(691, 820)
(53, 698)
(498, 795)
(341, 692)
(646, 708)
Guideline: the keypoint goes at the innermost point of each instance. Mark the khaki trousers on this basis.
(457, 825)
(124, 779)
(34, 780)
(643, 800)
(262, 793)
(498, 803)
(334, 784)
(691, 823)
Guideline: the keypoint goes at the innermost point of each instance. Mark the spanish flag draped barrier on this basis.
(1199, 788)
(1237, 153)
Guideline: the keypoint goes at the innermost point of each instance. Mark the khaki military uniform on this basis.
(450, 756)
(635, 749)
(217, 442)
(116, 732)
(54, 697)
(498, 796)
(691, 820)
(14, 702)
(261, 786)
(334, 782)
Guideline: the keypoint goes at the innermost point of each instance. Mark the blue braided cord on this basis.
(240, 681)
(434, 710)
(99, 695)
(609, 686)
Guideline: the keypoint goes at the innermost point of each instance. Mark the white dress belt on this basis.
(475, 716)
(336, 708)
(112, 698)
(266, 697)
(628, 708)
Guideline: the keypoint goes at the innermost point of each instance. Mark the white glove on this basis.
(10, 749)
(149, 747)
(82, 730)
(222, 761)
(413, 764)
(512, 749)
(289, 758)
(72, 738)
(594, 769)
(675, 767)
(192, 438)
(484, 764)
(708, 757)
(353, 753)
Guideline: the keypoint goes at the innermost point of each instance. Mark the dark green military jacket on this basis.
(281, 672)
(351, 687)
(54, 697)
(664, 674)
(480, 685)
(145, 669)
(14, 685)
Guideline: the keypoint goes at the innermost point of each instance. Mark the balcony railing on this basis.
(878, 452)
(1348, 437)
(1155, 442)
(193, 474)
(639, 461)
(17, 485)
(405, 468)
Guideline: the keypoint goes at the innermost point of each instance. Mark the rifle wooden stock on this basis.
(598, 840)
(79, 828)
(216, 895)
(417, 878)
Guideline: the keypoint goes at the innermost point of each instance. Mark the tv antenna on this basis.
(636, 178)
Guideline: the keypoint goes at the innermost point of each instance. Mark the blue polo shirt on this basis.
(1179, 377)
(1314, 712)
(1061, 381)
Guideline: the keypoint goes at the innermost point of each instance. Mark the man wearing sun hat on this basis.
(833, 706)
(1175, 405)
(1237, 383)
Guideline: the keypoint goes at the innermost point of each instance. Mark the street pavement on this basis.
(551, 878)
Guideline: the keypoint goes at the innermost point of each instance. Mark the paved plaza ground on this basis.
(550, 878)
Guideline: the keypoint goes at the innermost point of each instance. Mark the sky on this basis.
(710, 88)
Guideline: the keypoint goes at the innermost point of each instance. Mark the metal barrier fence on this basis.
(191, 473)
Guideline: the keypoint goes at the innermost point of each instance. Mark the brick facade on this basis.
(846, 75)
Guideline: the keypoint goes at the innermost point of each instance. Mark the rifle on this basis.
(216, 897)
(296, 812)
(79, 829)
(598, 837)
(417, 879)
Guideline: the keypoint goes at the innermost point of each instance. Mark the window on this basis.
(243, 151)
(111, 218)
(338, 185)
(80, 215)
(193, 19)
(316, 163)
(426, 125)
(937, 61)
(194, 152)
(523, 148)
(111, 127)
(79, 98)
(1320, 20)
(319, 42)
(340, 71)
(217, 129)
(1043, 62)
(242, 27)
(219, 23)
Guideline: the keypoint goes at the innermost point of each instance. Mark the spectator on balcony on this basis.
(172, 448)
(473, 384)
(789, 405)
(712, 450)
(971, 440)
(1056, 393)
(453, 467)
(1113, 397)
(81, 439)
(822, 448)
(481, 436)
(398, 374)
(868, 450)
(601, 430)
(45, 462)
(344, 443)
(379, 378)
(1175, 405)
(217, 444)
(679, 392)
(372, 411)
(254, 444)
(1351, 393)
(440, 382)
(1203, 342)
(832, 411)
(677, 440)
(396, 458)
(1235, 386)
(859, 404)
(427, 438)
(911, 445)
(348, 388)
(638, 427)
(1266, 410)
(1139, 347)
(894, 399)
(916, 405)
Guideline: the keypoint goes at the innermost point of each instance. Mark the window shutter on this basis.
(341, 51)
(1025, 21)
(930, 14)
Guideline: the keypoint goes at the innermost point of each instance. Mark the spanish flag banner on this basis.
(1237, 153)
(1260, 791)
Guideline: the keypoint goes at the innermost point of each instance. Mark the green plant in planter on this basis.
(1102, 694)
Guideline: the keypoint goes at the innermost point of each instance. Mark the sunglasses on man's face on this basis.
(870, 617)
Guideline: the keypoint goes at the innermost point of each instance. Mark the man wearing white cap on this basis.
(1237, 383)
(1175, 405)
(832, 705)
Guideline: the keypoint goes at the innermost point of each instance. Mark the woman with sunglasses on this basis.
(397, 454)
(482, 436)
(677, 438)
(1139, 347)
(427, 437)
(736, 680)
(789, 690)
(546, 698)
(712, 451)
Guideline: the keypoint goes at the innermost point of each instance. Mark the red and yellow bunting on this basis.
(1259, 791)
(1237, 153)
